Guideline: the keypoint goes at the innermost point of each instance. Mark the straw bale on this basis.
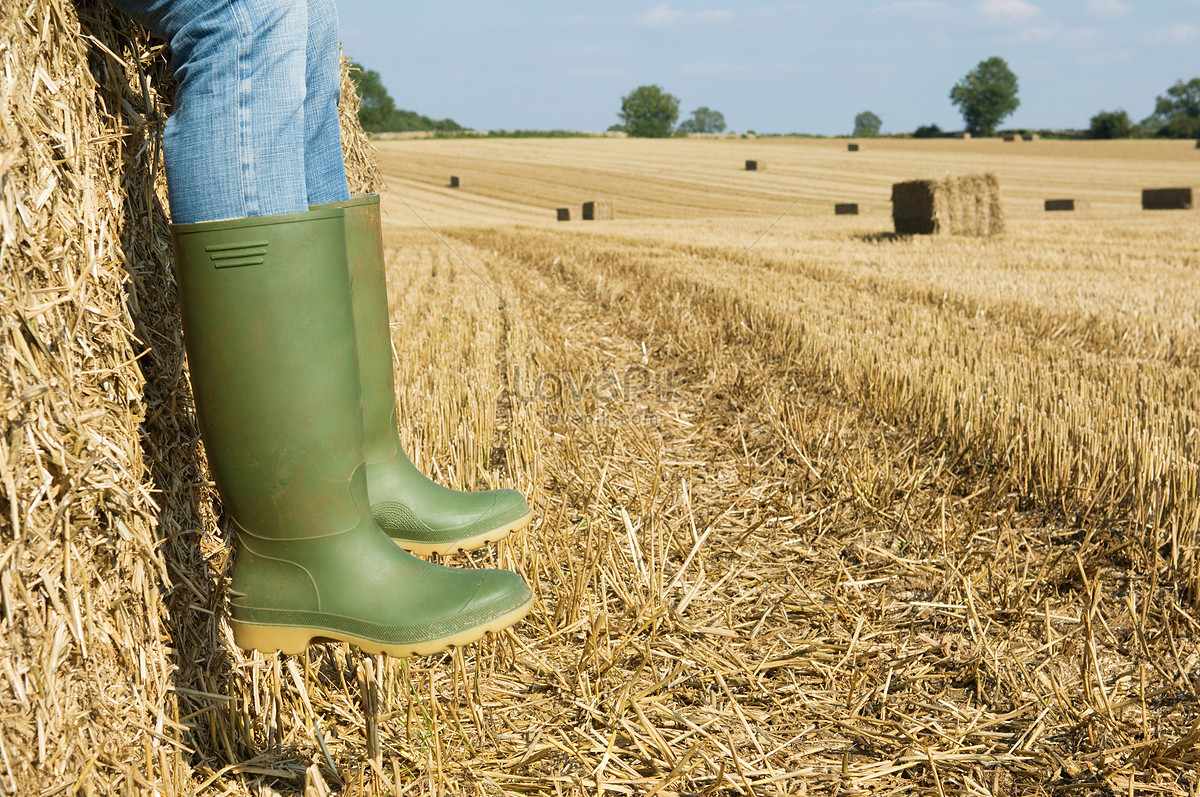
(852, 147)
(755, 166)
(596, 210)
(848, 209)
(1011, 137)
(962, 205)
(1167, 199)
(564, 214)
(454, 182)
(962, 134)
(1066, 204)
(117, 676)
(1029, 136)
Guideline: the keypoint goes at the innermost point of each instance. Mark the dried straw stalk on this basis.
(115, 672)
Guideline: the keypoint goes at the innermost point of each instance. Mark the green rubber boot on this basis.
(420, 515)
(269, 331)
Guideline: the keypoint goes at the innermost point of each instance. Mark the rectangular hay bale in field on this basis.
(455, 183)
(754, 166)
(564, 214)
(593, 211)
(1029, 136)
(852, 147)
(964, 135)
(848, 209)
(1066, 204)
(963, 205)
(1167, 199)
(1010, 137)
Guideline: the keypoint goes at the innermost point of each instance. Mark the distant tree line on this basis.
(985, 97)
(1176, 115)
(650, 112)
(377, 111)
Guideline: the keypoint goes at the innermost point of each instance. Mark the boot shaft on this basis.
(372, 319)
(269, 333)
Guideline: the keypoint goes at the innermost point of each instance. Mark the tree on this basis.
(377, 111)
(986, 95)
(867, 124)
(704, 120)
(1179, 110)
(649, 112)
(1110, 124)
(928, 131)
(376, 107)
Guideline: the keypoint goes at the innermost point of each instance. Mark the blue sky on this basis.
(769, 66)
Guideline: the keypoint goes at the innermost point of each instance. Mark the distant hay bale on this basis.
(1198, 144)
(755, 166)
(1167, 199)
(965, 205)
(963, 134)
(848, 209)
(118, 674)
(1029, 136)
(564, 214)
(1010, 137)
(1066, 204)
(852, 147)
(455, 182)
(593, 211)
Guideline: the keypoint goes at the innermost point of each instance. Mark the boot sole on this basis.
(293, 640)
(466, 544)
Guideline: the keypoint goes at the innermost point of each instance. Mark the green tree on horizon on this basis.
(867, 125)
(377, 111)
(1177, 113)
(1110, 124)
(648, 112)
(986, 95)
(704, 120)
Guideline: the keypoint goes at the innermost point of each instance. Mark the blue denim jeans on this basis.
(254, 130)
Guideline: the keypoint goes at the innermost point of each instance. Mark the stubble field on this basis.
(821, 510)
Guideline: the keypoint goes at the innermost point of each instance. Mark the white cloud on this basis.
(659, 15)
(1014, 11)
(663, 15)
(1175, 33)
(1040, 33)
(1107, 8)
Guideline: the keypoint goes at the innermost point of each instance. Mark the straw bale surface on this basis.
(852, 147)
(962, 205)
(1167, 199)
(848, 209)
(1066, 204)
(564, 214)
(754, 166)
(597, 210)
(115, 673)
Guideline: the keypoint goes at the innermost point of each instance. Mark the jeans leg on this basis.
(234, 143)
(325, 167)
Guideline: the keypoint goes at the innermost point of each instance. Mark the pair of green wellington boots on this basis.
(286, 327)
